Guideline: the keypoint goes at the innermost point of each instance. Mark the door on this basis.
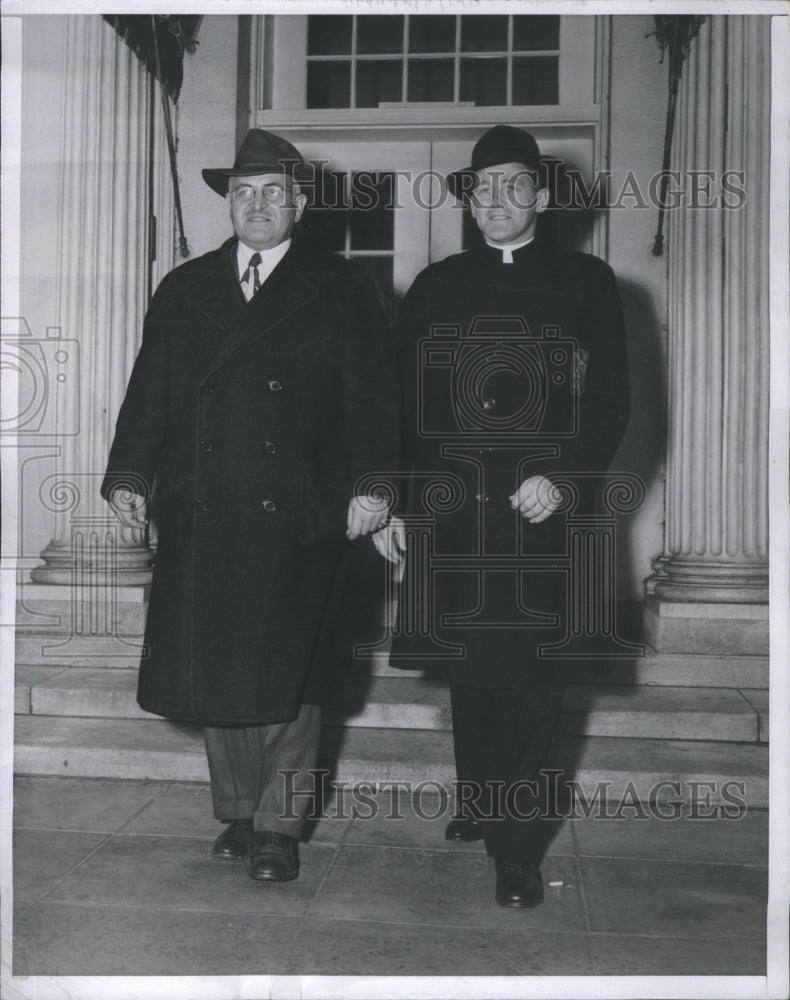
(384, 200)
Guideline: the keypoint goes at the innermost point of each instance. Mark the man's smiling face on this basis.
(264, 209)
(506, 202)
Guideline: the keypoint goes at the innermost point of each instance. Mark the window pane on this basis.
(532, 32)
(536, 81)
(379, 33)
(327, 226)
(328, 84)
(378, 80)
(328, 35)
(372, 213)
(432, 33)
(430, 80)
(484, 81)
(485, 33)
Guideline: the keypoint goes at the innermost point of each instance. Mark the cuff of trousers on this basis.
(226, 812)
(293, 827)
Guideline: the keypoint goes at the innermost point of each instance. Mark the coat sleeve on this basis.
(601, 383)
(415, 318)
(142, 419)
(413, 324)
(370, 390)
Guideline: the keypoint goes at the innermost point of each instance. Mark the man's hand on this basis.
(390, 541)
(365, 515)
(536, 498)
(130, 508)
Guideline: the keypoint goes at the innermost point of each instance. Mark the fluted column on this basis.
(112, 128)
(716, 534)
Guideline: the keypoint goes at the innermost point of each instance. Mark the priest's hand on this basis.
(536, 498)
(390, 541)
(366, 514)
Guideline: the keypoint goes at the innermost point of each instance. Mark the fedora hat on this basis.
(500, 144)
(261, 152)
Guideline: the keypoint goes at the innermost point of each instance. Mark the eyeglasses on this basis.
(274, 194)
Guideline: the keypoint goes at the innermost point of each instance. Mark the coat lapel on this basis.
(216, 292)
(286, 290)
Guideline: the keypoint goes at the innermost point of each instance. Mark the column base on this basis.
(737, 629)
(125, 566)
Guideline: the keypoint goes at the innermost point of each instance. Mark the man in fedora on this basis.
(263, 393)
(514, 371)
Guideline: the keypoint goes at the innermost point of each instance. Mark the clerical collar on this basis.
(508, 248)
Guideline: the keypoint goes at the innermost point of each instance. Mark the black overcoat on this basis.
(509, 371)
(251, 424)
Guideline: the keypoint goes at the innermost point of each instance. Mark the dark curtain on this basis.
(159, 41)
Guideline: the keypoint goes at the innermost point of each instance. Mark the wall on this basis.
(207, 130)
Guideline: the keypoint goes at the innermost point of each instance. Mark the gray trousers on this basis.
(245, 762)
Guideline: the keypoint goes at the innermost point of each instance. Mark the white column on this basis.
(716, 537)
(112, 126)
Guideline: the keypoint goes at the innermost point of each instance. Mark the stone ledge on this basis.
(735, 629)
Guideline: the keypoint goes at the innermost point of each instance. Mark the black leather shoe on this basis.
(518, 883)
(466, 828)
(235, 843)
(275, 857)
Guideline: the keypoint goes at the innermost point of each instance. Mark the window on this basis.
(370, 60)
(354, 216)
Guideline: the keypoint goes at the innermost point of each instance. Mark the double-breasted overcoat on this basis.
(510, 370)
(250, 425)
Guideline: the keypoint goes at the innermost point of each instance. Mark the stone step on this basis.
(60, 650)
(671, 669)
(654, 669)
(407, 702)
(160, 750)
(53, 629)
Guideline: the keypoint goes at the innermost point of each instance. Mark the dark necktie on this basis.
(255, 260)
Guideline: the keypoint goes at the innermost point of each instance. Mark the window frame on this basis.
(583, 113)
(278, 84)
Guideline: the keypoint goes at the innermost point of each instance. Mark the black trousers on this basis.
(503, 738)
(245, 765)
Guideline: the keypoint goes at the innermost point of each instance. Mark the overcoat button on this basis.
(269, 506)
(207, 388)
(271, 447)
(203, 505)
(274, 385)
(489, 404)
(207, 445)
(481, 497)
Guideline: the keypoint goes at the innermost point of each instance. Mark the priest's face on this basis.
(506, 202)
(264, 209)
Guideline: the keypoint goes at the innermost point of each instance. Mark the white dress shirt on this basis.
(269, 260)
